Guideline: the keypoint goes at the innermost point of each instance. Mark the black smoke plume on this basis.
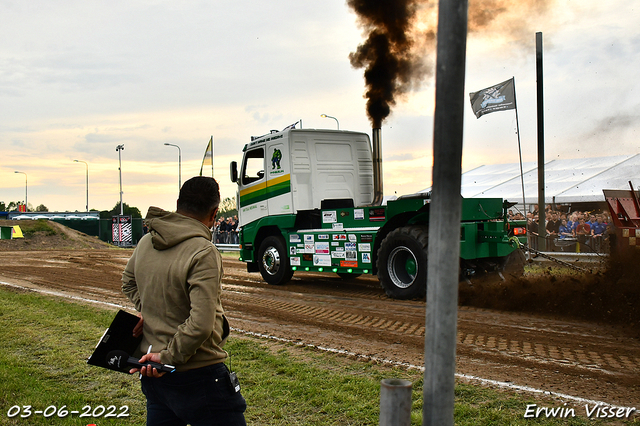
(401, 39)
(391, 67)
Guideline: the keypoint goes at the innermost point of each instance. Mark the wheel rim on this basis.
(271, 261)
(402, 266)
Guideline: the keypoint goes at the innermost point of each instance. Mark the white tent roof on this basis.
(566, 181)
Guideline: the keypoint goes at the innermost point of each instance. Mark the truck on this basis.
(312, 200)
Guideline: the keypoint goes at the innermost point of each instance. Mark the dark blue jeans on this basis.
(200, 397)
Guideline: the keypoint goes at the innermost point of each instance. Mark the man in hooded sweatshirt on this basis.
(174, 280)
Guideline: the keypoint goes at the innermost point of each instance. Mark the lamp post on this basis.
(328, 116)
(87, 165)
(179, 165)
(120, 148)
(26, 201)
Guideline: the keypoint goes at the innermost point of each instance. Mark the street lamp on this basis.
(85, 163)
(179, 165)
(26, 201)
(328, 116)
(120, 148)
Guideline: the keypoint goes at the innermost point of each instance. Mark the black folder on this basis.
(119, 336)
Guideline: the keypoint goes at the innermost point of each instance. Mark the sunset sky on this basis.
(79, 78)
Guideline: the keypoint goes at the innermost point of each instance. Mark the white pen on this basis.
(148, 352)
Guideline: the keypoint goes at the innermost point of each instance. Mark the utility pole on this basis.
(87, 165)
(26, 186)
(120, 148)
(179, 165)
(542, 230)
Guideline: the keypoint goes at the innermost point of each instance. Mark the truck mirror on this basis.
(234, 171)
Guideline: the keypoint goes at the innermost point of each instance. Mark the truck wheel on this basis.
(402, 262)
(273, 261)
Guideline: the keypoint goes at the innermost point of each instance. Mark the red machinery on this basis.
(625, 215)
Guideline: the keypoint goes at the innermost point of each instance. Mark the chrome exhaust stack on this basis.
(376, 140)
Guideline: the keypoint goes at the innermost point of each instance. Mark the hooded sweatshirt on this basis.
(173, 278)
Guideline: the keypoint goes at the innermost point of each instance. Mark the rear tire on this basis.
(402, 262)
(273, 261)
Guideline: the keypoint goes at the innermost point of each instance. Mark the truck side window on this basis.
(253, 167)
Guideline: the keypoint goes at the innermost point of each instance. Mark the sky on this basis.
(79, 78)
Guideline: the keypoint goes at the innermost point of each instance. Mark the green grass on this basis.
(30, 227)
(45, 343)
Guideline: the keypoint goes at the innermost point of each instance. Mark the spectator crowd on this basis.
(577, 231)
(226, 231)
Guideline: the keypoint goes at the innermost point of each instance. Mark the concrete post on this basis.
(395, 402)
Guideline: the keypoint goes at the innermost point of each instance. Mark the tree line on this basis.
(227, 209)
(127, 210)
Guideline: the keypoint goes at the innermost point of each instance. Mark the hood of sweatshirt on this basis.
(168, 229)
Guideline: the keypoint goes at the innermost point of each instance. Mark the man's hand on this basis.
(137, 330)
(149, 371)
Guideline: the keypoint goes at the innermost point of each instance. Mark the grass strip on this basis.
(45, 342)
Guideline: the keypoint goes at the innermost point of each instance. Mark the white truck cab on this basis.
(285, 172)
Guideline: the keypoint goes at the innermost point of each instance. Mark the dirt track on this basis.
(582, 359)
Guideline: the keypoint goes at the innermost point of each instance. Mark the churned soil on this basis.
(567, 333)
(609, 296)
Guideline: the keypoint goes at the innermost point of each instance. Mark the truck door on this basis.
(252, 188)
(278, 179)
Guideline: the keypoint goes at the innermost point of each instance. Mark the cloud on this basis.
(400, 157)
(101, 138)
(78, 78)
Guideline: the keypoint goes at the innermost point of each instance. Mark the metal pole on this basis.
(444, 222)
(26, 201)
(120, 148)
(87, 187)
(213, 144)
(87, 166)
(542, 231)
(395, 402)
(327, 116)
(180, 164)
(515, 101)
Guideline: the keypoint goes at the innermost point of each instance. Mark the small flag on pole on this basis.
(499, 97)
(208, 157)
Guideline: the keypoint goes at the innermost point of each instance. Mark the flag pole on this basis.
(211, 155)
(515, 102)
(524, 205)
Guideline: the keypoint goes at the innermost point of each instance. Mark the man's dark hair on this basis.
(199, 196)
